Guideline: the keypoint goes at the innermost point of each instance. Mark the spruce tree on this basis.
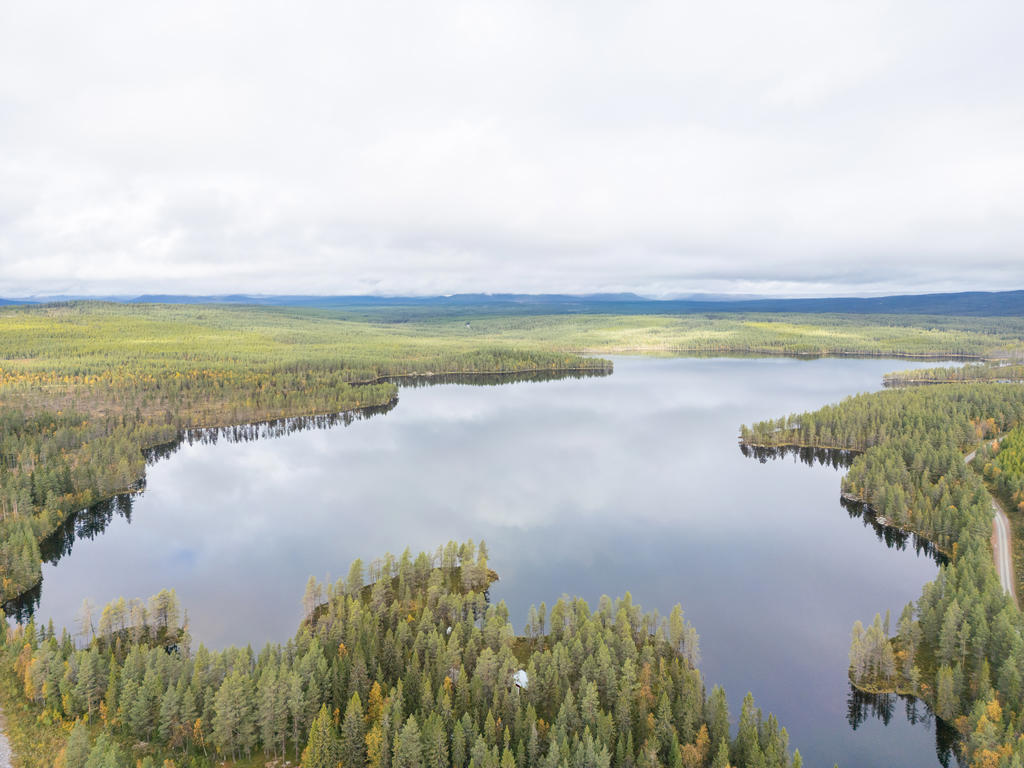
(76, 752)
(353, 735)
(408, 749)
(322, 749)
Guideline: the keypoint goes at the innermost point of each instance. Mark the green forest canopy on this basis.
(86, 386)
(415, 669)
(960, 647)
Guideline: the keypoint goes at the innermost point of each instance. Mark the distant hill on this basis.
(455, 300)
(973, 303)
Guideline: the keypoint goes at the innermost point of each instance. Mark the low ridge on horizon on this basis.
(963, 303)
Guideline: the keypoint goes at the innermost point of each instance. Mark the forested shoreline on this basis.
(960, 647)
(402, 664)
(999, 371)
(87, 388)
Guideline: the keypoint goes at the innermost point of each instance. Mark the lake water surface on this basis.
(581, 486)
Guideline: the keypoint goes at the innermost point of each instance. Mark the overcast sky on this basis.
(795, 148)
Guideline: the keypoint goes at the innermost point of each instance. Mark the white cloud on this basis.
(402, 147)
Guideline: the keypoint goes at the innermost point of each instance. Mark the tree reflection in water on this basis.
(91, 522)
(892, 537)
(861, 706)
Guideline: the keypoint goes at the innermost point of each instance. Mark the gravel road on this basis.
(5, 746)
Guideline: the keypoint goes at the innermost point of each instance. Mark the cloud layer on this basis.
(407, 148)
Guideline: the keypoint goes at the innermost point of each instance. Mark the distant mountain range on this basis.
(971, 303)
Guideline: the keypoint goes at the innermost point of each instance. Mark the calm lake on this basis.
(582, 486)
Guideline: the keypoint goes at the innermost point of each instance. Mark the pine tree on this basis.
(189, 712)
(105, 753)
(354, 582)
(945, 698)
(747, 736)
(76, 751)
(296, 707)
(322, 749)
(721, 756)
(718, 716)
(459, 745)
(353, 735)
(142, 715)
(435, 743)
(312, 597)
(234, 723)
(88, 688)
(267, 708)
(408, 749)
(168, 719)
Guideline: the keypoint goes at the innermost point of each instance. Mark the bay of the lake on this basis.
(582, 486)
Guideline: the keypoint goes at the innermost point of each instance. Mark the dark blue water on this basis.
(582, 486)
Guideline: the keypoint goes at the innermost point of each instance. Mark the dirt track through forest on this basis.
(5, 745)
(1002, 551)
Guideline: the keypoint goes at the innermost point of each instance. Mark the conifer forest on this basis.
(407, 661)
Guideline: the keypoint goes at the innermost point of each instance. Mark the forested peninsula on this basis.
(1005, 370)
(415, 669)
(960, 647)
